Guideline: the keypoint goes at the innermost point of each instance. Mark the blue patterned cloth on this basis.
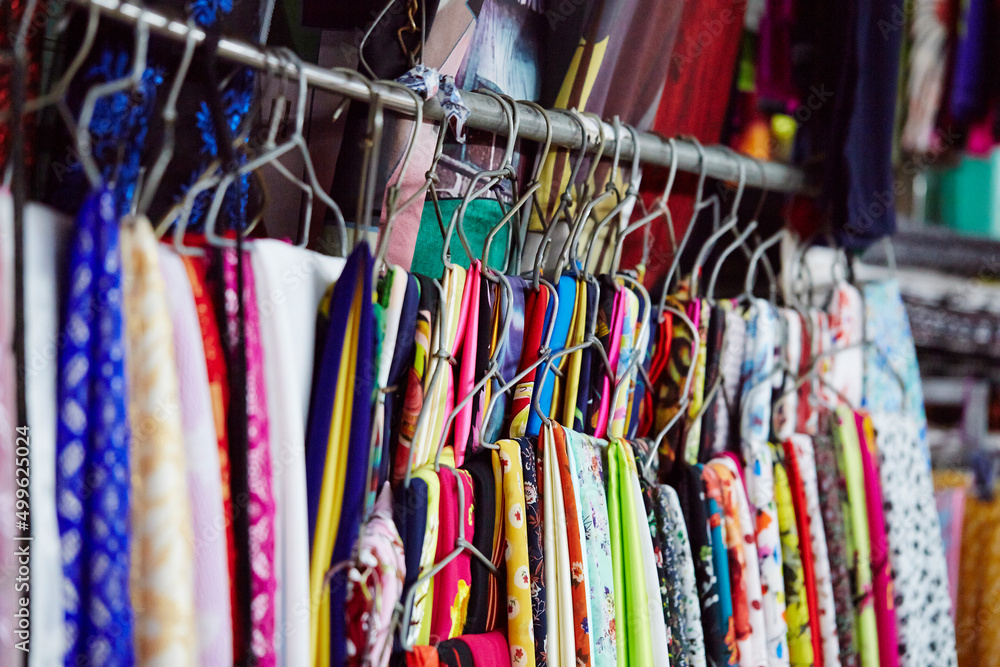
(92, 446)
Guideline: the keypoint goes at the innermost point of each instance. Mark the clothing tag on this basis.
(454, 107)
(422, 80)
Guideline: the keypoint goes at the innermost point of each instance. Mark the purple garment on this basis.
(968, 88)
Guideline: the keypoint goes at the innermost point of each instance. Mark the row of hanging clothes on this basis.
(248, 452)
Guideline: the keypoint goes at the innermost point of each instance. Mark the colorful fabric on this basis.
(728, 407)
(805, 460)
(692, 638)
(667, 561)
(162, 570)
(885, 612)
(211, 572)
(534, 517)
(744, 567)
(520, 623)
(950, 491)
(631, 601)
(800, 506)
(833, 501)
(575, 540)
(978, 583)
(418, 377)
(93, 445)
(714, 507)
(800, 643)
(375, 587)
(452, 582)
(561, 323)
(261, 508)
(849, 463)
(537, 309)
(700, 314)
(218, 380)
(596, 527)
(916, 555)
(487, 517)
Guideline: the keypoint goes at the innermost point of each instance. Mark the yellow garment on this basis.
(162, 559)
(520, 631)
(332, 494)
(431, 426)
(423, 599)
(978, 612)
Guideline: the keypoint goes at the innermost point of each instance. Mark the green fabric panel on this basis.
(480, 217)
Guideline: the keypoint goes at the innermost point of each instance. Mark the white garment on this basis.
(213, 613)
(47, 237)
(290, 282)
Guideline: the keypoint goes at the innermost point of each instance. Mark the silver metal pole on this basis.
(486, 113)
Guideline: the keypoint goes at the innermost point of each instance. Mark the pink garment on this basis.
(951, 511)
(617, 316)
(469, 338)
(211, 563)
(885, 608)
(488, 649)
(450, 597)
(261, 509)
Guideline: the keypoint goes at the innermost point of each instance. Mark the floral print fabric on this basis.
(805, 459)
(832, 501)
(800, 644)
(596, 528)
(520, 625)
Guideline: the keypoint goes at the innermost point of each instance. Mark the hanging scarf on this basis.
(162, 577)
(800, 641)
(375, 586)
(799, 448)
(92, 445)
(856, 519)
(418, 377)
(717, 521)
(523, 644)
(261, 507)
(589, 471)
(211, 572)
(537, 310)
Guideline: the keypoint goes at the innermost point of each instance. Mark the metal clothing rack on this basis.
(486, 112)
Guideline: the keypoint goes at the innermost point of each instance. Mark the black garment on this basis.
(480, 607)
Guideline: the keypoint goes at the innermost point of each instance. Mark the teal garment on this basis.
(586, 457)
(480, 217)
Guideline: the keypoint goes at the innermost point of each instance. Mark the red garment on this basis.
(536, 304)
(805, 548)
(218, 383)
(423, 656)
(576, 558)
(658, 364)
